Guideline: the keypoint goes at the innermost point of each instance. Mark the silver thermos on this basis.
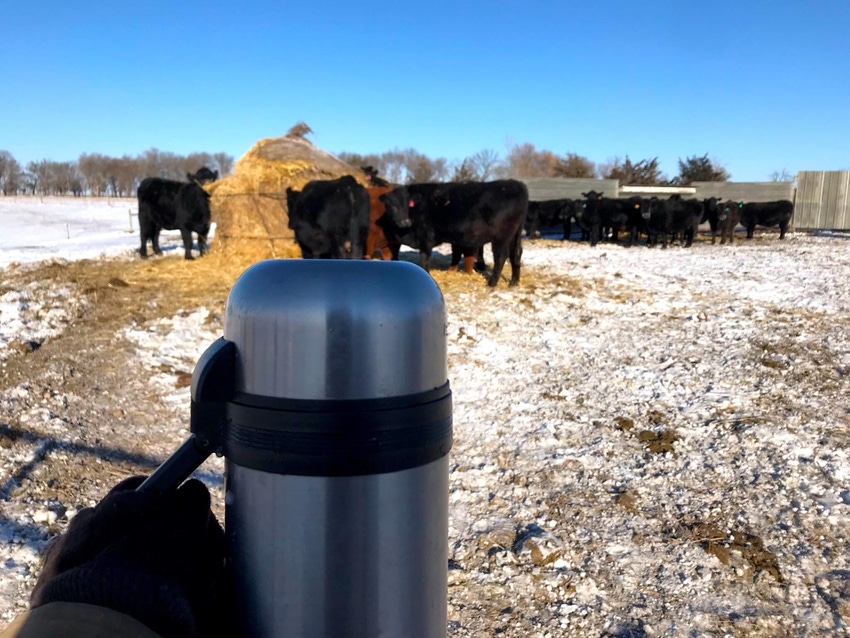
(328, 396)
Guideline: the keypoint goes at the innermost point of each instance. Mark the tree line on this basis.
(525, 160)
(101, 175)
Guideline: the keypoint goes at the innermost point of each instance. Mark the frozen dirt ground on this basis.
(647, 442)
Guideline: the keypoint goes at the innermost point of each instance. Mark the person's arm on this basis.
(76, 620)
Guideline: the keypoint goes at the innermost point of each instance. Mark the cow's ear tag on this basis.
(411, 204)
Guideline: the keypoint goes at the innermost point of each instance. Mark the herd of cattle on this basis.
(341, 219)
(658, 219)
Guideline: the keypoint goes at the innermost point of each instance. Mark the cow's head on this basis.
(640, 208)
(589, 206)
(203, 176)
(399, 207)
(371, 175)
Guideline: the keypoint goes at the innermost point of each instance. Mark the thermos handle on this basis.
(212, 388)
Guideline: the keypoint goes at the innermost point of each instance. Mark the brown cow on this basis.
(377, 239)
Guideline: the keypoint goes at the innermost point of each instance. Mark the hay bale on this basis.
(249, 206)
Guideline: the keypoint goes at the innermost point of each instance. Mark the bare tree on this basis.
(93, 169)
(524, 160)
(420, 168)
(10, 174)
(224, 162)
(464, 172)
(484, 164)
(122, 175)
(393, 163)
(782, 176)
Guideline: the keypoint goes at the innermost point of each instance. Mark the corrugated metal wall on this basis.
(823, 200)
(745, 191)
(541, 189)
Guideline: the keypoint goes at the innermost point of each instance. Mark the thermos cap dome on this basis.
(336, 330)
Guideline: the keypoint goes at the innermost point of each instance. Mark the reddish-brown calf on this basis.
(376, 240)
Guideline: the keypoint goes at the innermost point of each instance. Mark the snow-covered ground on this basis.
(647, 442)
(36, 228)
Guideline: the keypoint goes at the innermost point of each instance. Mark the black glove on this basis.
(158, 560)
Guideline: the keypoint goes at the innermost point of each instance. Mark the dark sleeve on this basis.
(75, 620)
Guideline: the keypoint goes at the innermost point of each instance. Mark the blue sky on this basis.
(759, 86)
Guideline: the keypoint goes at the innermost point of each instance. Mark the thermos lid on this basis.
(336, 329)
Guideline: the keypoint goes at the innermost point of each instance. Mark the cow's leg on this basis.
(595, 232)
(469, 259)
(689, 237)
(516, 258)
(143, 249)
(372, 246)
(202, 244)
(155, 240)
(750, 231)
(144, 231)
(782, 229)
(500, 254)
(186, 234)
(386, 253)
(567, 228)
(457, 253)
(480, 264)
(394, 250)
(425, 259)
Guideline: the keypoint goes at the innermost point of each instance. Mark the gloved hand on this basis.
(158, 560)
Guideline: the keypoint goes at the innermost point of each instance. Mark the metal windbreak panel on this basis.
(823, 200)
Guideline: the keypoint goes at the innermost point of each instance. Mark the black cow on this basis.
(330, 218)
(674, 215)
(614, 215)
(631, 213)
(548, 213)
(172, 205)
(728, 216)
(767, 214)
(588, 215)
(639, 213)
(697, 210)
(465, 214)
(711, 206)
